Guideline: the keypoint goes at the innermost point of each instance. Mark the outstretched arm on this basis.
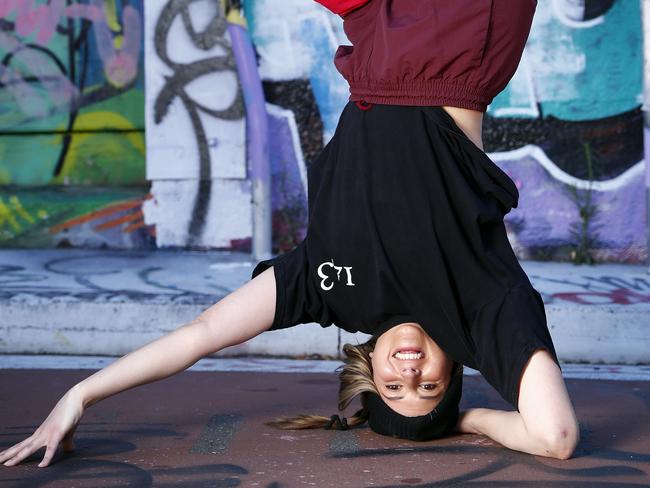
(243, 314)
(546, 423)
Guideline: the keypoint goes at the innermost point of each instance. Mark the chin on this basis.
(412, 329)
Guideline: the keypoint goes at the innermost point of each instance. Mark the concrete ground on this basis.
(205, 428)
(109, 303)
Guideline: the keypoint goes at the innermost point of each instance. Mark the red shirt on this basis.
(431, 52)
(342, 7)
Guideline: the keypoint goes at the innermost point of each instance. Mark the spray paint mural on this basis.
(196, 135)
(567, 128)
(71, 123)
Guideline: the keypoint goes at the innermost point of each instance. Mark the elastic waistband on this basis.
(434, 112)
(420, 92)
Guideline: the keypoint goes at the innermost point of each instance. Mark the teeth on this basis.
(409, 355)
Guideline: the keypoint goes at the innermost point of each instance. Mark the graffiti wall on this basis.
(72, 154)
(196, 134)
(567, 129)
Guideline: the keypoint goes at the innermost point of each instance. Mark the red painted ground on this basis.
(206, 429)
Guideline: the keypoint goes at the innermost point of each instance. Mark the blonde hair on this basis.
(355, 379)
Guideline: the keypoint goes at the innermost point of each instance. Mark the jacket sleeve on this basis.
(342, 7)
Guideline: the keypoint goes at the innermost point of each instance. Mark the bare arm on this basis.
(240, 316)
(243, 314)
(546, 423)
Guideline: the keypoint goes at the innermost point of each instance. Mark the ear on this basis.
(370, 354)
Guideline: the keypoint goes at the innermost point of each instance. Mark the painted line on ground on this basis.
(269, 365)
(217, 434)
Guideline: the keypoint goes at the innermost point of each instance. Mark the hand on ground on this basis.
(58, 428)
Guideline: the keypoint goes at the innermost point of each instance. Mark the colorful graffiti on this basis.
(74, 217)
(71, 98)
(297, 42)
(197, 140)
(567, 128)
(71, 88)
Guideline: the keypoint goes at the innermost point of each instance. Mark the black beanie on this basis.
(384, 420)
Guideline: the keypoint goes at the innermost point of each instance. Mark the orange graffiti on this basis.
(134, 217)
(119, 221)
(138, 224)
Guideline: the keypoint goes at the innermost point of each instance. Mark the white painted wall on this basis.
(172, 149)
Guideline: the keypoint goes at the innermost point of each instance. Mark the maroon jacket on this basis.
(431, 52)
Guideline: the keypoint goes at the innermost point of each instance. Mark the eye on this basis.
(393, 387)
(428, 386)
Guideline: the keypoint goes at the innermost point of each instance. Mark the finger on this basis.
(8, 453)
(49, 454)
(22, 454)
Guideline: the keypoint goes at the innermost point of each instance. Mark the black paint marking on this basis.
(76, 469)
(175, 87)
(298, 96)
(16, 280)
(201, 205)
(217, 434)
(75, 50)
(82, 472)
(562, 140)
(507, 460)
(596, 8)
(345, 443)
(145, 276)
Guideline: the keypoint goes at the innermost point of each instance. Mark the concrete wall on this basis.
(567, 129)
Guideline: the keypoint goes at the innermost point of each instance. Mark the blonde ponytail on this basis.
(355, 379)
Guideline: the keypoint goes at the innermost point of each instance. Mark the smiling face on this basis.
(410, 371)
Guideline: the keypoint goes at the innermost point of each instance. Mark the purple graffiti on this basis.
(120, 65)
(61, 91)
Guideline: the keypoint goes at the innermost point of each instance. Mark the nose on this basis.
(409, 372)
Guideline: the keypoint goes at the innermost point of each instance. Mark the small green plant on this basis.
(583, 230)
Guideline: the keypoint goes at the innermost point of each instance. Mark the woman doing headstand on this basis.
(405, 242)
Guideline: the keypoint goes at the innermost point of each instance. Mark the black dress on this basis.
(406, 224)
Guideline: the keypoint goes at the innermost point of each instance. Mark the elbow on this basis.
(201, 338)
(560, 442)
